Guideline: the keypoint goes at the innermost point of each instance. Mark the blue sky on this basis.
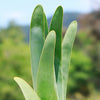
(21, 10)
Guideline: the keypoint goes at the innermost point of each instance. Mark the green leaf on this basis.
(28, 92)
(66, 52)
(37, 35)
(46, 26)
(46, 83)
(56, 25)
(60, 87)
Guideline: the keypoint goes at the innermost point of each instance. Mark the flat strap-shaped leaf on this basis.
(66, 51)
(46, 83)
(37, 35)
(46, 26)
(60, 86)
(56, 25)
(28, 92)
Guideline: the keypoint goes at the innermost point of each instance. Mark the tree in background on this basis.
(14, 60)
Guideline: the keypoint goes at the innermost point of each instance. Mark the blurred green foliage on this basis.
(15, 61)
(90, 45)
(79, 73)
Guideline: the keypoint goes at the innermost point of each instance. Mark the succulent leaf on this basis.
(46, 26)
(60, 86)
(46, 83)
(67, 45)
(37, 37)
(56, 25)
(28, 92)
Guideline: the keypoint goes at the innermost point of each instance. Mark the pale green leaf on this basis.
(66, 52)
(46, 87)
(37, 35)
(60, 86)
(27, 91)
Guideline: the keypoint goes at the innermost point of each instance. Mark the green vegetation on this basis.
(84, 75)
(50, 57)
(14, 57)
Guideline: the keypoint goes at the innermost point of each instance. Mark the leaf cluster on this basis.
(50, 57)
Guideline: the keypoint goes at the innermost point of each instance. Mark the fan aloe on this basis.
(50, 57)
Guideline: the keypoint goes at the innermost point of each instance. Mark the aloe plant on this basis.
(50, 57)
